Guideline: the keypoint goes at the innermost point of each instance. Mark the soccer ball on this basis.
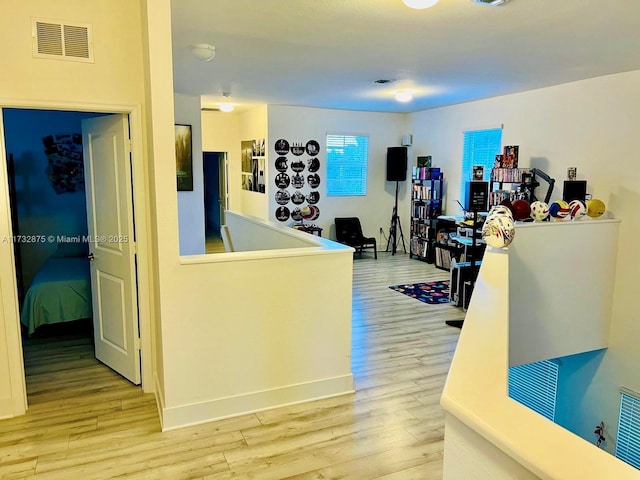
(577, 209)
(500, 210)
(559, 210)
(498, 232)
(539, 211)
(595, 208)
(521, 209)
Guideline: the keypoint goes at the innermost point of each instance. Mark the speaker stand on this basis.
(393, 229)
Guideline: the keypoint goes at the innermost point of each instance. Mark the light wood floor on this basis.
(214, 245)
(86, 422)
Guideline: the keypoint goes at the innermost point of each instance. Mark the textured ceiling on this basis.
(327, 53)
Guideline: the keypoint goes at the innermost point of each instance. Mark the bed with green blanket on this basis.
(59, 292)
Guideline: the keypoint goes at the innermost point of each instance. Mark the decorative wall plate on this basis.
(282, 180)
(281, 147)
(281, 164)
(312, 148)
(282, 214)
(314, 180)
(282, 197)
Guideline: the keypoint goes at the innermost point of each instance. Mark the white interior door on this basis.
(106, 149)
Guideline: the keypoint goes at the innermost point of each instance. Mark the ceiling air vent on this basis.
(62, 41)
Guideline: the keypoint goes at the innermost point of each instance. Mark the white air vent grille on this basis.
(49, 37)
(63, 41)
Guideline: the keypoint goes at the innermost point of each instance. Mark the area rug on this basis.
(427, 292)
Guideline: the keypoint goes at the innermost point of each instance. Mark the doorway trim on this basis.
(9, 307)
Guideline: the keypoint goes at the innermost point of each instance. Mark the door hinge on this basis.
(136, 343)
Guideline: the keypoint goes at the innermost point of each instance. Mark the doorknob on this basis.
(91, 257)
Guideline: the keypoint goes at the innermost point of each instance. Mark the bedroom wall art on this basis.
(65, 167)
(184, 158)
(253, 165)
(297, 181)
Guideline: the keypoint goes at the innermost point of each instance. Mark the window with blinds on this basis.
(480, 148)
(347, 157)
(535, 385)
(628, 441)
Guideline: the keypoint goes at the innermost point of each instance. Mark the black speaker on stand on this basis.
(396, 172)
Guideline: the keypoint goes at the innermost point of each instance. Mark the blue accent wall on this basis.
(575, 374)
(41, 211)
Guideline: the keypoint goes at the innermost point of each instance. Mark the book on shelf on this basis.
(426, 173)
(510, 156)
(423, 192)
(508, 175)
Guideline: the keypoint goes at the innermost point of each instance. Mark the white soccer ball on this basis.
(500, 210)
(577, 209)
(539, 211)
(498, 232)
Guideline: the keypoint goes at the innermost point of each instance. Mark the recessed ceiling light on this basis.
(420, 4)
(404, 96)
(226, 107)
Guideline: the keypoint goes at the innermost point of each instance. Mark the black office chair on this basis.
(349, 232)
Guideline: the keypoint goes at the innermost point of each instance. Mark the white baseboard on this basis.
(217, 409)
(159, 393)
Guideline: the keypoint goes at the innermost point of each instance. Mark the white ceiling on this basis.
(327, 53)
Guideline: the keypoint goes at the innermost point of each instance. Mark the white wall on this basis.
(468, 455)
(542, 323)
(221, 133)
(191, 204)
(253, 126)
(298, 124)
(593, 125)
(252, 344)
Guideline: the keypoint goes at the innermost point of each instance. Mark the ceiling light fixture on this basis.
(204, 52)
(404, 96)
(420, 4)
(226, 106)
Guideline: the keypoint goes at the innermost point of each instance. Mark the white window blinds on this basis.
(347, 157)
(534, 385)
(628, 441)
(480, 148)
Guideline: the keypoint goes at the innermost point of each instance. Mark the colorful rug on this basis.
(428, 292)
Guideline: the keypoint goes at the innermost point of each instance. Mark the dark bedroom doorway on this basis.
(45, 169)
(48, 210)
(215, 198)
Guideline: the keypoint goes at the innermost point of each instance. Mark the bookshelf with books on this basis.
(505, 184)
(506, 177)
(426, 206)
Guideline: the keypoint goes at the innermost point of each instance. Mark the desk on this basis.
(470, 249)
(311, 229)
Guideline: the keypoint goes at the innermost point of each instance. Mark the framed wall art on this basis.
(184, 158)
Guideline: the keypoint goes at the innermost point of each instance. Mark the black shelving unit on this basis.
(445, 248)
(505, 184)
(426, 206)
